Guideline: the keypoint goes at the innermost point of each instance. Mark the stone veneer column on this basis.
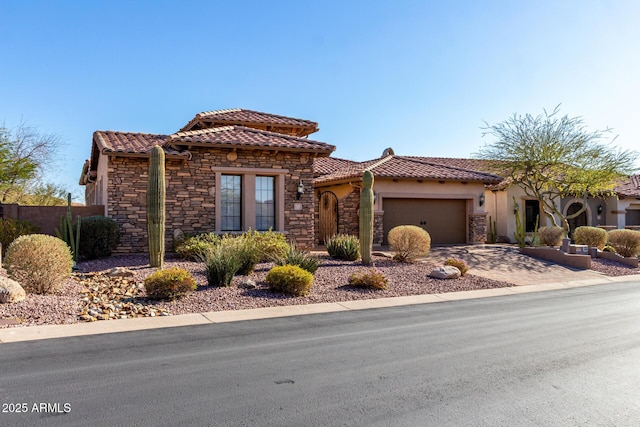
(478, 228)
(378, 230)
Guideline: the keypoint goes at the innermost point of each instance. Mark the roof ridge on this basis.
(130, 133)
(213, 112)
(378, 163)
(242, 128)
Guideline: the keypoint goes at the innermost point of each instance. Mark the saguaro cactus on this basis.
(366, 217)
(156, 207)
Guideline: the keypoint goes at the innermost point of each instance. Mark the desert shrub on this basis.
(221, 263)
(290, 279)
(459, 264)
(11, 229)
(591, 236)
(302, 259)
(408, 242)
(246, 247)
(625, 242)
(270, 244)
(344, 246)
(193, 248)
(551, 236)
(99, 236)
(172, 283)
(371, 279)
(609, 248)
(40, 263)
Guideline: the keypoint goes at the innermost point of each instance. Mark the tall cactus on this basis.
(156, 207)
(366, 217)
(66, 231)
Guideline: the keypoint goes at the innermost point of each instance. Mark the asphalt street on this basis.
(567, 357)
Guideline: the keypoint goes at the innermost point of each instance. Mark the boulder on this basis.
(11, 291)
(445, 272)
(247, 284)
(119, 272)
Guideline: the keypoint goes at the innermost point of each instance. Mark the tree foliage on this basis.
(25, 155)
(552, 157)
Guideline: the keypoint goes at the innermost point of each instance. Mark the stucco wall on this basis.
(191, 190)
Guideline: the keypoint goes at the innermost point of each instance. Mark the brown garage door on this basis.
(444, 219)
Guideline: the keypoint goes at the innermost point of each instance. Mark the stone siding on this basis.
(190, 198)
(348, 219)
(478, 228)
(378, 227)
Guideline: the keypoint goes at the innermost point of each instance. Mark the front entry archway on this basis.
(579, 221)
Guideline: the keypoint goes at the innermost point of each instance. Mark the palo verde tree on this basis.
(25, 155)
(552, 157)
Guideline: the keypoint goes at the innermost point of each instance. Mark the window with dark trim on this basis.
(531, 215)
(265, 203)
(231, 202)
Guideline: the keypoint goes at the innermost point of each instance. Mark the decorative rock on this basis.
(119, 272)
(445, 272)
(247, 284)
(11, 291)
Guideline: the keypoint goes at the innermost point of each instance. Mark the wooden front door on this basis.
(328, 216)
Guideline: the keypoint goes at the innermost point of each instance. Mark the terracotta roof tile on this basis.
(630, 187)
(131, 143)
(241, 136)
(238, 116)
(405, 167)
(326, 165)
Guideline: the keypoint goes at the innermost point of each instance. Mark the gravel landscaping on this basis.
(125, 297)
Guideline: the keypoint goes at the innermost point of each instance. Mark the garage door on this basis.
(444, 219)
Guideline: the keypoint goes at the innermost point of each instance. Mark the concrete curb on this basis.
(31, 333)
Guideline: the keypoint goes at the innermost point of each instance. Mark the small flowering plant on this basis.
(371, 279)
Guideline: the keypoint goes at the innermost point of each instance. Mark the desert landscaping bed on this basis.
(329, 285)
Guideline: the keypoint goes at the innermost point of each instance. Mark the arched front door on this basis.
(328, 216)
(579, 221)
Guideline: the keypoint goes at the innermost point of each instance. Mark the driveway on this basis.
(506, 263)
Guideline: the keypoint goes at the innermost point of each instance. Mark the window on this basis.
(265, 203)
(231, 202)
(531, 215)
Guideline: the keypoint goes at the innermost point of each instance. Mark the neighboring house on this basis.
(226, 171)
(453, 199)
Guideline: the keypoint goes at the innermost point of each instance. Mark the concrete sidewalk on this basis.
(30, 333)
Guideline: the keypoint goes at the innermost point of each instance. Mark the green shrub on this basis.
(221, 263)
(371, 279)
(194, 248)
(172, 283)
(459, 264)
(290, 279)
(625, 242)
(408, 242)
(248, 251)
(99, 236)
(551, 236)
(40, 263)
(302, 259)
(344, 246)
(591, 236)
(11, 229)
(270, 244)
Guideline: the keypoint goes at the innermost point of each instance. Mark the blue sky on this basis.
(417, 76)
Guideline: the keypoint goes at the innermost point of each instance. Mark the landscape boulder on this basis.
(11, 291)
(445, 272)
(119, 272)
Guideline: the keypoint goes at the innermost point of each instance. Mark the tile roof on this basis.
(406, 167)
(239, 116)
(326, 165)
(630, 187)
(241, 136)
(132, 143)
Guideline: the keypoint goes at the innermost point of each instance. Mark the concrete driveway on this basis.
(506, 263)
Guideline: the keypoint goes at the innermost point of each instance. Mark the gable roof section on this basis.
(249, 118)
(405, 167)
(630, 187)
(245, 137)
(326, 165)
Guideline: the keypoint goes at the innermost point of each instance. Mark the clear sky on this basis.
(417, 76)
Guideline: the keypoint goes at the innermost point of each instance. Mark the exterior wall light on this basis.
(300, 190)
(481, 200)
(600, 209)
